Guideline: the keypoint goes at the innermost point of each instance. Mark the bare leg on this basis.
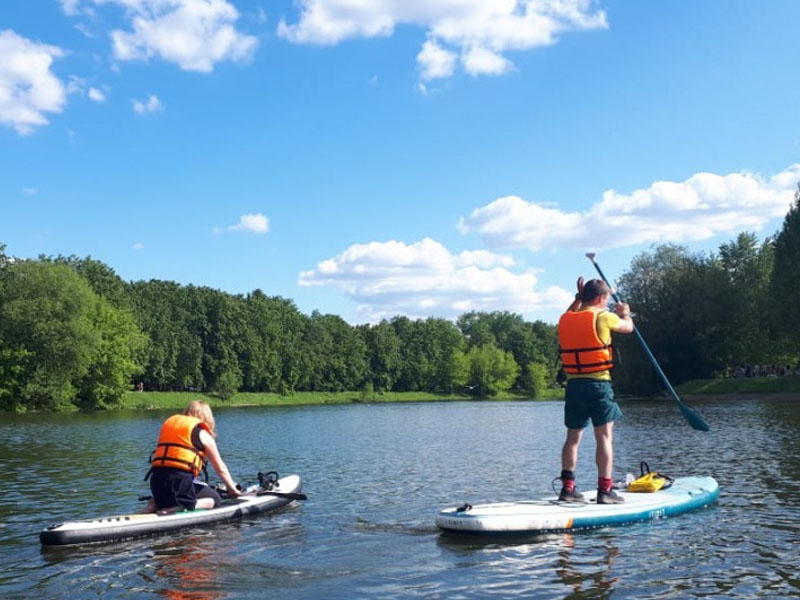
(569, 453)
(604, 456)
(150, 508)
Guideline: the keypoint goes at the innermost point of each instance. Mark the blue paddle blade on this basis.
(695, 420)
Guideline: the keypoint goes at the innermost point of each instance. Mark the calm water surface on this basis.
(376, 476)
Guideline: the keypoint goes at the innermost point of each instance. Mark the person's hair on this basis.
(201, 410)
(593, 289)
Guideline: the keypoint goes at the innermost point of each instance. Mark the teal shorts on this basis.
(589, 399)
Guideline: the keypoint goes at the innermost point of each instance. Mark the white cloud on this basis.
(138, 246)
(70, 7)
(28, 88)
(480, 31)
(29, 191)
(426, 279)
(96, 95)
(151, 105)
(435, 61)
(699, 208)
(482, 61)
(194, 34)
(253, 223)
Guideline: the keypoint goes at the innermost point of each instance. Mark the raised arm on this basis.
(625, 320)
(576, 304)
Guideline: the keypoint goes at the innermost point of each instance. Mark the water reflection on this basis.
(189, 570)
(587, 578)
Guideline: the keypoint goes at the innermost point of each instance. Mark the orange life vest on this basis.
(175, 448)
(582, 350)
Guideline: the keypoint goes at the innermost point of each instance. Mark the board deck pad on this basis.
(548, 515)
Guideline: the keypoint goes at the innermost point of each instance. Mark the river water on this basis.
(376, 475)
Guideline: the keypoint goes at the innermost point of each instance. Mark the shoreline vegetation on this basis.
(179, 400)
(697, 387)
(740, 385)
(151, 400)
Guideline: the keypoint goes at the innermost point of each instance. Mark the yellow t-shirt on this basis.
(606, 323)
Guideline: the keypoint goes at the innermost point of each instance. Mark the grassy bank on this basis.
(178, 400)
(741, 385)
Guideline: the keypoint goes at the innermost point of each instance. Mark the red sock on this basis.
(604, 484)
(568, 480)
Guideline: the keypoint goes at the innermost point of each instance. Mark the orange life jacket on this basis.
(582, 351)
(175, 448)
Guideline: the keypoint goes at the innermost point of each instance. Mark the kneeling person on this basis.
(184, 443)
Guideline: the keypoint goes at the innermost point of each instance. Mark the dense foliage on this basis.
(707, 315)
(73, 333)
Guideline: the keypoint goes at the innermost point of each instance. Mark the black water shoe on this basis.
(609, 497)
(573, 496)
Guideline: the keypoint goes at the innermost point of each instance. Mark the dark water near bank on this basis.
(376, 476)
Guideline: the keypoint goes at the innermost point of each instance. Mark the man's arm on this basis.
(576, 304)
(625, 324)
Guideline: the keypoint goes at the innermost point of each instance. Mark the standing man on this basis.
(584, 338)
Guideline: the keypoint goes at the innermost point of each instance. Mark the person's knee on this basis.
(204, 503)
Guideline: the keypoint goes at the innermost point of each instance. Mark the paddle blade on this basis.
(695, 421)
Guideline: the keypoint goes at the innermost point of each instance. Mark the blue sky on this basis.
(378, 157)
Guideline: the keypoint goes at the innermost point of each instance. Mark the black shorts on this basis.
(174, 487)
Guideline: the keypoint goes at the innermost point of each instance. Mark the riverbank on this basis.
(175, 400)
(740, 385)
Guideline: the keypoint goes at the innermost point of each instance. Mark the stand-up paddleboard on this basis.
(257, 499)
(549, 515)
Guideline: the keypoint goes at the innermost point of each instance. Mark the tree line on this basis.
(73, 333)
(705, 314)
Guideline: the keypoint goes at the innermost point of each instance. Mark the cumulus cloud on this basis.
(151, 105)
(194, 34)
(476, 31)
(28, 88)
(699, 208)
(426, 279)
(252, 223)
(96, 95)
(70, 7)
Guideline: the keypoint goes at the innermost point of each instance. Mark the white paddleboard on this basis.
(550, 515)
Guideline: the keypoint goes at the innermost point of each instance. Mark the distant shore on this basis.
(789, 385)
(173, 400)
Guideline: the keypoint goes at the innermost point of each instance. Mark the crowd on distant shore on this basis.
(762, 371)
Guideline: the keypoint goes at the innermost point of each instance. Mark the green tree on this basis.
(62, 343)
(534, 379)
(683, 310)
(492, 370)
(383, 350)
(784, 282)
(748, 267)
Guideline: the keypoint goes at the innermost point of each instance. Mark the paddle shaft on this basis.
(695, 420)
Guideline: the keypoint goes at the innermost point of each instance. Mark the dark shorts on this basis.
(173, 487)
(589, 399)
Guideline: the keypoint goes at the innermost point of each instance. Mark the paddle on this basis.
(695, 420)
(292, 495)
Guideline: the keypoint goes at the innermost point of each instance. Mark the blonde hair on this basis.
(201, 410)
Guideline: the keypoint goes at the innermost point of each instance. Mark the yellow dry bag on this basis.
(649, 481)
